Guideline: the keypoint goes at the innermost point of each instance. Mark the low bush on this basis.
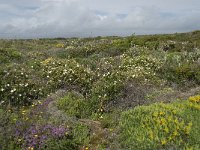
(162, 126)
(75, 105)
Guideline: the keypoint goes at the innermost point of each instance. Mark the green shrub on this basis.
(62, 144)
(7, 122)
(61, 73)
(106, 89)
(8, 55)
(81, 134)
(162, 126)
(74, 105)
(19, 85)
(181, 67)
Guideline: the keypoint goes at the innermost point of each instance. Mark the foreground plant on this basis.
(162, 126)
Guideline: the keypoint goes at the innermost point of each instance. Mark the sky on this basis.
(85, 18)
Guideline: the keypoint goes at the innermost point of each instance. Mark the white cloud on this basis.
(53, 18)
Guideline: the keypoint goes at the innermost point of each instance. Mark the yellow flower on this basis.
(170, 138)
(188, 128)
(189, 148)
(151, 135)
(169, 118)
(166, 129)
(30, 148)
(175, 133)
(23, 112)
(46, 61)
(161, 113)
(174, 111)
(162, 121)
(86, 148)
(176, 121)
(195, 99)
(163, 142)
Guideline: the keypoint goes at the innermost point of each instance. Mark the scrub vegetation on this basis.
(136, 92)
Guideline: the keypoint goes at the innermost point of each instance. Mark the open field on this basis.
(136, 92)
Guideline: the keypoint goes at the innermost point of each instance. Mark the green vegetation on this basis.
(161, 125)
(100, 93)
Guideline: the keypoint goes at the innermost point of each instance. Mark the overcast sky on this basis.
(80, 18)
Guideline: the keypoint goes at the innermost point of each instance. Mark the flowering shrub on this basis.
(37, 137)
(140, 67)
(32, 129)
(161, 126)
(18, 86)
(107, 88)
(102, 77)
(60, 73)
(181, 67)
(194, 102)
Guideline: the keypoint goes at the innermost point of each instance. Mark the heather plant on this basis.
(32, 131)
(38, 136)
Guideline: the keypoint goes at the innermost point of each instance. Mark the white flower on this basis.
(8, 84)
(20, 95)
(2, 89)
(13, 90)
(22, 73)
(26, 84)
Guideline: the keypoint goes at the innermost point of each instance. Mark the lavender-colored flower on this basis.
(36, 136)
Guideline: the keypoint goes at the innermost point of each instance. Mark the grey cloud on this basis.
(53, 18)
